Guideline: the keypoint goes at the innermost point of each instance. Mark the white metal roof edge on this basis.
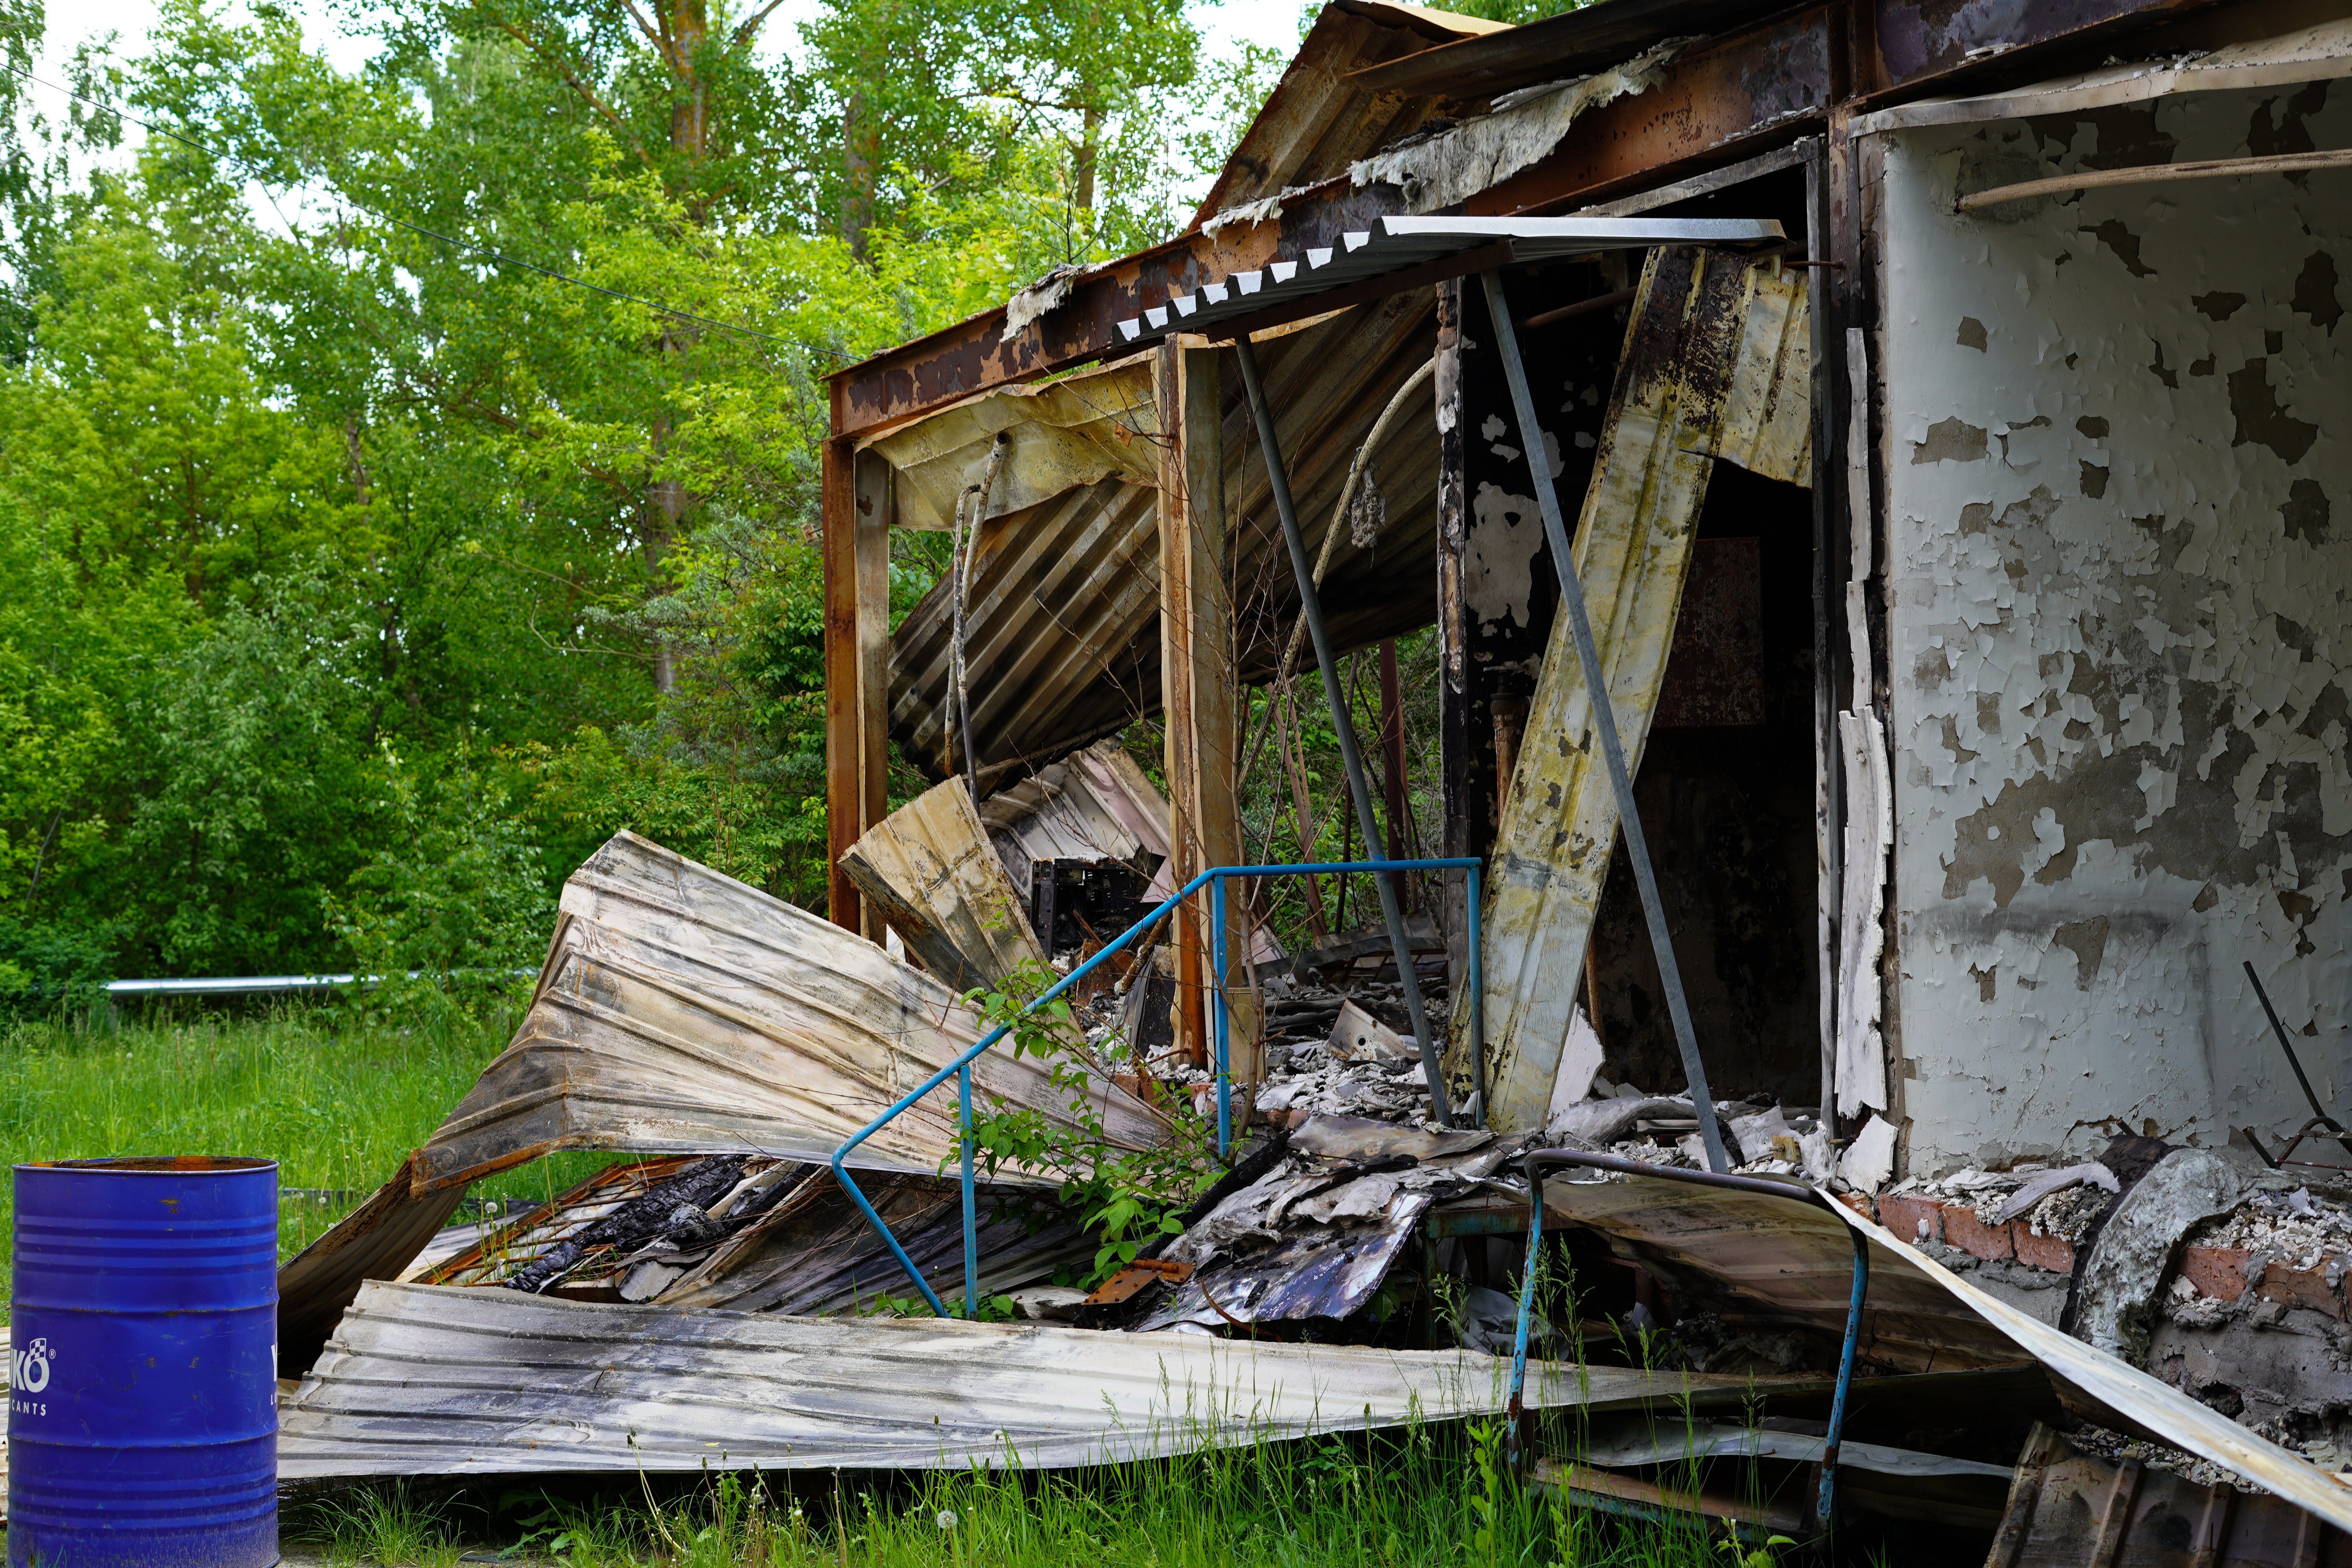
(1399, 242)
(2313, 54)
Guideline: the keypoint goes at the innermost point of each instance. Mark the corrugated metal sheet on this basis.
(1687, 353)
(930, 869)
(1062, 623)
(1795, 1262)
(498, 1249)
(425, 1381)
(1095, 804)
(680, 1011)
(374, 1241)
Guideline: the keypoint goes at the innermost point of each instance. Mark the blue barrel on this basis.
(143, 1411)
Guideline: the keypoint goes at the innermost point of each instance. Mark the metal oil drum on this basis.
(142, 1418)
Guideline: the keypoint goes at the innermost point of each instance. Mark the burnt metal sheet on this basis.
(680, 1011)
(2073, 1509)
(433, 1381)
(2316, 53)
(376, 1241)
(1316, 122)
(1094, 805)
(1794, 1262)
(1678, 379)
(1317, 1235)
(930, 869)
(1575, 43)
(497, 1250)
(1920, 40)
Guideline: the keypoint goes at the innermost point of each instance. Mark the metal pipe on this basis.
(1532, 1166)
(1604, 719)
(1225, 1015)
(970, 1199)
(840, 1170)
(1310, 610)
(1478, 984)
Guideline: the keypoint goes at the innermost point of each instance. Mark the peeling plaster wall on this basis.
(2119, 513)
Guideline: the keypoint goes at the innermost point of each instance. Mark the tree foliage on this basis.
(408, 473)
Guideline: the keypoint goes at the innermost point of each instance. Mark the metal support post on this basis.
(1310, 610)
(970, 1199)
(1225, 1015)
(1604, 719)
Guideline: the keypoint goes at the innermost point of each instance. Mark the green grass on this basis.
(336, 1100)
(1425, 1496)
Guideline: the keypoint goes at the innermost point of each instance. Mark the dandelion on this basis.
(947, 1519)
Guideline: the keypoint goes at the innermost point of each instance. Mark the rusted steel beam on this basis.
(1722, 98)
(970, 357)
(1572, 44)
(844, 773)
(1918, 40)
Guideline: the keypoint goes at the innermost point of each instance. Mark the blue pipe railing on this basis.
(1825, 1499)
(1214, 879)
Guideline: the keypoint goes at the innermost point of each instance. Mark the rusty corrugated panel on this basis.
(1094, 805)
(680, 1012)
(931, 871)
(374, 1241)
(425, 1381)
(1062, 619)
(1316, 122)
(1632, 548)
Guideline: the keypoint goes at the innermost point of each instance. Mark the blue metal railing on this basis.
(1214, 879)
(1533, 1166)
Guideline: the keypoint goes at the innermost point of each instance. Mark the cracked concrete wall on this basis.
(2119, 513)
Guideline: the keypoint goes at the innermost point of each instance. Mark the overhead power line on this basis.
(455, 244)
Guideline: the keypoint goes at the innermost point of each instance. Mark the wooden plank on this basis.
(929, 868)
(876, 511)
(844, 781)
(1198, 689)
(1633, 549)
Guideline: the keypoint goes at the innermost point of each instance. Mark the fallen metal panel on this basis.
(1654, 1443)
(1678, 377)
(1795, 1261)
(374, 1241)
(2322, 52)
(930, 869)
(499, 1250)
(422, 1381)
(682, 1012)
(1094, 805)
(815, 1255)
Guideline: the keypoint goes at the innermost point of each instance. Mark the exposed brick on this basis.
(1972, 1236)
(2055, 1253)
(2219, 1272)
(2301, 1288)
(1903, 1216)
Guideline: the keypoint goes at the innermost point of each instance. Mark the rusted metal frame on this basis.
(845, 781)
(1727, 98)
(1914, 43)
(1310, 606)
(1575, 43)
(1479, 261)
(877, 501)
(970, 357)
(1605, 721)
(1705, 184)
(1532, 1167)
(1454, 782)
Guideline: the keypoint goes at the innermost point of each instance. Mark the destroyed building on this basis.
(1937, 400)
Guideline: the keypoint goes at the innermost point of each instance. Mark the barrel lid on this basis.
(159, 1164)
